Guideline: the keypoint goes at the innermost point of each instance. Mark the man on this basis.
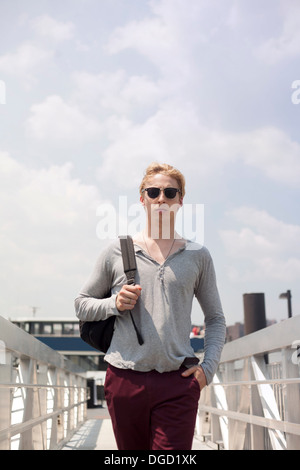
(152, 390)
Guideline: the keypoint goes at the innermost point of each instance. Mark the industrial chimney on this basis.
(254, 313)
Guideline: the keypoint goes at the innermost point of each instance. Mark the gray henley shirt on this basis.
(163, 311)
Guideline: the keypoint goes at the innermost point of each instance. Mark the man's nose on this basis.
(161, 196)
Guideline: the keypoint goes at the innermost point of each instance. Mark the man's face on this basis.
(161, 208)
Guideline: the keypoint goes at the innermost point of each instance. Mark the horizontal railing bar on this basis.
(19, 428)
(267, 340)
(284, 426)
(19, 385)
(258, 382)
(223, 384)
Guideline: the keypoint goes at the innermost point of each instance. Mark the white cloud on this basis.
(48, 237)
(166, 38)
(177, 133)
(263, 248)
(177, 40)
(287, 44)
(31, 57)
(51, 28)
(272, 151)
(168, 135)
(180, 42)
(150, 37)
(54, 120)
(115, 92)
(25, 62)
(35, 200)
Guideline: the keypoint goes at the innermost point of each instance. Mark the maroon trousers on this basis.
(152, 410)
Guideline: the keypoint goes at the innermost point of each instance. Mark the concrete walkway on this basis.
(97, 434)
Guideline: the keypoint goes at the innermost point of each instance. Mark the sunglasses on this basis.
(170, 193)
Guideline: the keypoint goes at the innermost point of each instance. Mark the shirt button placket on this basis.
(161, 275)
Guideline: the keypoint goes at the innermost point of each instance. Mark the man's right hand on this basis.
(128, 297)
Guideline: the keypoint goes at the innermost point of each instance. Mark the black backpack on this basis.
(98, 334)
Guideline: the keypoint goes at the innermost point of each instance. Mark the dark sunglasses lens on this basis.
(153, 192)
(170, 193)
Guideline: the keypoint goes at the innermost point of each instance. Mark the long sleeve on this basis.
(97, 299)
(215, 327)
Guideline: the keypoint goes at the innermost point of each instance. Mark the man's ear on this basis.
(142, 200)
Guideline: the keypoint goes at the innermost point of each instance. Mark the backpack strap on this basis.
(129, 265)
(128, 255)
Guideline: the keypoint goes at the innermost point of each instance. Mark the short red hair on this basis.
(164, 169)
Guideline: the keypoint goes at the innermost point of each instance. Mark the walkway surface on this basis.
(97, 434)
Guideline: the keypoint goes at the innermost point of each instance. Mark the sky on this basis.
(93, 91)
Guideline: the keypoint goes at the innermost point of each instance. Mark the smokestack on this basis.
(254, 313)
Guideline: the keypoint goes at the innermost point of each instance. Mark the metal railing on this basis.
(42, 395)
(254, 400)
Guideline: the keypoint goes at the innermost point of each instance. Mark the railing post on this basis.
(292, 397)
(237, 429)
(5, 394)
(257, 432)
(52, 380)
(27, 367)
(231, 397)
(42, 370)
(215, 419)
